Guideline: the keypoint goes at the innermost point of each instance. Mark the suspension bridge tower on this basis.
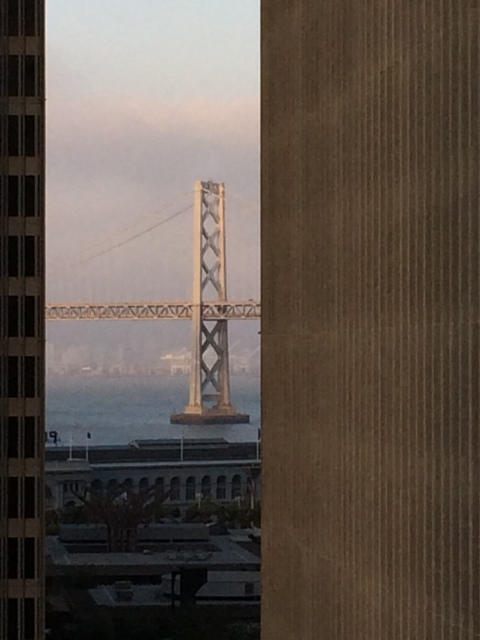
(209, 401)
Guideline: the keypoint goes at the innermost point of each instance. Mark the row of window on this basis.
(22, 195)
(21, 378)
(22, 315)
(23, 136)
(175, 487)
(22, 497)
(21, 558)
(23, 76)
(20, 616)
(22, 18)
(71, 487)
(21, 259)
(21, 437)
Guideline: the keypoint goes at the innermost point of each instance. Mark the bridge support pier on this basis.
(209, 401)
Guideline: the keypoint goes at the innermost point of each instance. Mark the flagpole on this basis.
(181, 445)
(258, 444)
(86, 446)
(71, 447)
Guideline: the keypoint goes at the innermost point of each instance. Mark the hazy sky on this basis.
(172, 50)
(144, 97)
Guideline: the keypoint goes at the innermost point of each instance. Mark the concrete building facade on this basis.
(218, 469)
(370, 319)
(22, 168)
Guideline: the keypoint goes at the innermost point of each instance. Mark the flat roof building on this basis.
(184, 469)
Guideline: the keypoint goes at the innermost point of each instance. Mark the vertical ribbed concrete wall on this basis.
(370, 319)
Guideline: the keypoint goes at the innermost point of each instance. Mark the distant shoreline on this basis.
(94, 374)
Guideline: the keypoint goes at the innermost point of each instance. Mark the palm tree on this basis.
(122, 511)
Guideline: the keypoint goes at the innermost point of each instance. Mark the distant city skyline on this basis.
(131, 358)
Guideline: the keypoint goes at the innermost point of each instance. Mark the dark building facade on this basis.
(370, 319)
(22, 169)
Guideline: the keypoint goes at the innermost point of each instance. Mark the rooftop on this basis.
(227, 556)
(157, 451)
(221, 588)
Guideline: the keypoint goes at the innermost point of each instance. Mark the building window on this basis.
(206, 486)
(22, 377)
(18, 27)
(12, 625)
(24, 559)
(12, 437)
(29, 618)
(22, 322)
(29, 439)
(236, 486)
(28, 185)
(13, 136)
(12, 377)
(25, 144)
(22, 76)
(160, 486)
(30, 136)
(221, 488)
(143, 484)
(30, 317)
(30, 377)
(30, 497)
(12, 559)
(13, 316)
(29, 558)
(13, 21)
(31, 195)
(30, 261)
(190, 488)
(29, 70)
(12, 265)
(12, 507)
(13, 187)
(13, 76)
(30, 22)
(21, 259)
(175, 489)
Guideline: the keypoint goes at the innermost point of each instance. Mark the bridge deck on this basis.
(249, 310)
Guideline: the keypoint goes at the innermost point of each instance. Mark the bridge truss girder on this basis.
(249, 310)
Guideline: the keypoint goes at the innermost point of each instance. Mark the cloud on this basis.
(132, 138)
(112, 160)
(152, 148)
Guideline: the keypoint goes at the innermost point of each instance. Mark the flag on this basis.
(89, 435)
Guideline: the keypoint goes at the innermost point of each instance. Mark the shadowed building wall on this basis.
(22, 335)
(370, 319)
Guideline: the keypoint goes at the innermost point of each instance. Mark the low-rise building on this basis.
(188, 471)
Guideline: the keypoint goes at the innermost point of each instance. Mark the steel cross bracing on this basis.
(210, 378)
(248, 310)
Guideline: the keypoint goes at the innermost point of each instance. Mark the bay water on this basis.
(117, 410)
